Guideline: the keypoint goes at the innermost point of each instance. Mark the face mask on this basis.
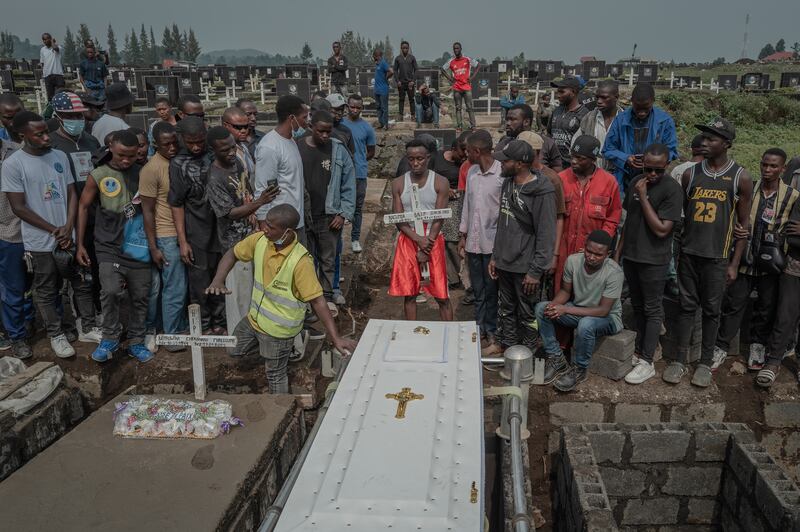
(282, 239)
(300, 131)
(74, 127)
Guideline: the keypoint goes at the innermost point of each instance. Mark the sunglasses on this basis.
(651, 170)
(237, 127)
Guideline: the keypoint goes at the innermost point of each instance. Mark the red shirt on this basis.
(460, 67)
(597, 205)
(462, 175)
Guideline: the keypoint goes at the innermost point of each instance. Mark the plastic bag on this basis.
(152, 417)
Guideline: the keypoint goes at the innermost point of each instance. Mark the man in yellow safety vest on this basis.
(285, 281)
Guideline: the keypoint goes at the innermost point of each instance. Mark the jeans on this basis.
(170, 283)
(466, 98)
(701, 282)
(51, 83)
(382, 102)
(434, 115)
(200, 274)
(646, 284)
(275, 351)
(787, 313)
(402, 90)
(361, 193)
(337, 269)
(322, 244)
(114, 277)
(515, 311)
(734, 304)
(484, 288)
(47, 283)
(17, 306)
(588, 330)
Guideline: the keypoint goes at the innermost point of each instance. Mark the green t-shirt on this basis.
(588, 289)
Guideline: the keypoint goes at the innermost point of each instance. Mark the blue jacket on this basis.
(619, 141)
(507, 102)
(341, 196)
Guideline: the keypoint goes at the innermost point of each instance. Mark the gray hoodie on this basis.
(526, 227)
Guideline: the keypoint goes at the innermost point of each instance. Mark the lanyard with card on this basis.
(82, 162)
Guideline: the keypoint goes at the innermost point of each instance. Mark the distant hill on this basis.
(245, 56)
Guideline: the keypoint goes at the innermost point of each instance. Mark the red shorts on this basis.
(406, 277)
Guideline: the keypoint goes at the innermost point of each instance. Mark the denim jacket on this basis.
(341, 196)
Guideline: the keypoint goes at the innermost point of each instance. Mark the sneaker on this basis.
(757, 356)
(642, 371)
(356, 246)
(469, 297)
(21, 349)
(718, 358)
(61, 346)
(333, 309)
(554, 367)
(94, 336)
(150, 342)
(175, 348)
(421, 298)
(5, 343)
(674, 373)
(702, 376)
(338, 298)
(572, 378)
(71, 335)
(140, 353)
(105, 350)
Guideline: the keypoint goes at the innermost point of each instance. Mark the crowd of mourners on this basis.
(578, 206)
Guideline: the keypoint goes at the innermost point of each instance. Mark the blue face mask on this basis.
(300, 131)
(282, 239)
(74, 127)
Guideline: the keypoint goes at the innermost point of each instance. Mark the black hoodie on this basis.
(526, 227)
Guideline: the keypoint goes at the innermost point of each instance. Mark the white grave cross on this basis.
(197, 342)
(417, 216)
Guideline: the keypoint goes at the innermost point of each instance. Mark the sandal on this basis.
(767, 375)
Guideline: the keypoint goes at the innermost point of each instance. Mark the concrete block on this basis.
(742, 464)
(631, 414)
(693, 481)
(618, 346)
(659, 446)
(610, 368)
(607, 446)
(574, 412)
(750, 518)
(770, 498)
(702, 511)
(623, 482)
(729, 521)
(697, 412)
(710, 445)
(783, 414)
(599, 521)
(730, 489)
(657, 511)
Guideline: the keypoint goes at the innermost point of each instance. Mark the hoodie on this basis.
(526, 227)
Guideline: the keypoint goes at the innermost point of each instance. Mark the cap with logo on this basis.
(586, 146)
(336, 100)
(567, 83)
(516, 150)
(68, 102)
(719, 127)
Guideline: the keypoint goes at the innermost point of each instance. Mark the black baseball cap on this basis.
(516, 150)
(568, 83)
(587, 146)
(719, 127)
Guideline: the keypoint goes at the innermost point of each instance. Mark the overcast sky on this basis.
(683, 30)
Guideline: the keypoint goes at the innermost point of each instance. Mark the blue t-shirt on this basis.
(381, 83)
(363, 136)
(4, 134)
(94, 71)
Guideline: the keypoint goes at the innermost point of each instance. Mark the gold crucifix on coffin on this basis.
(402, 399)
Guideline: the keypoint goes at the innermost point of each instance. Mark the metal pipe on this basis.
(274, 512)
(492, 360)
(520, 521)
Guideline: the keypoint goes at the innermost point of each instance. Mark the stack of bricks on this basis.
(613, 355)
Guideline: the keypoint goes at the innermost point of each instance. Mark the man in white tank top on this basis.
(414, 250)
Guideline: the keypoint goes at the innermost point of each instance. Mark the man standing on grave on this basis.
(523, 244)
(382, 74)
(92, 74)
(633, 130)
(518, 119)
(364, 140)
(414, 251)
(337, 68)
(285, 283)
(654, 206)
(40, 188)
(405, 68)
(123, 263)
(460, 71)
(427, 106)
(119, 101)
(331, 185)
(253, 135)
(772, 204)
(719, 193)
(169, 280)
(195, 223)
(278, 161)
(566, 117)
(597, 121)
(237, 123)
(589, 302)
(592, 200)
(52, 68)
(507, 102)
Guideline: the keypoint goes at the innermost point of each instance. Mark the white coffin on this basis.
(369, 471)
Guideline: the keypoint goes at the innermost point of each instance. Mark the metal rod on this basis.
(521, 521)
(493, 360)
(274, 512)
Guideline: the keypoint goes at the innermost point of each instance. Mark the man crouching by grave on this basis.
(588, 301)
(285, 281)
(523, 243)
(419, 261)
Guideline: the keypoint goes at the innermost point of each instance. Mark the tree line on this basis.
(780, 46)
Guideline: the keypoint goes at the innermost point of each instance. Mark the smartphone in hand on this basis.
(272, 183)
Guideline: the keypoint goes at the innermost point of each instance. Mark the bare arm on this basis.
(370, 152)
(87, 198)
(149, 218)
(600, 311)
(226, 264)
(344, 345)
(187, 255)
(745, 193)
(24, 213)
(405, 227)
(660, 227)
(442, 188)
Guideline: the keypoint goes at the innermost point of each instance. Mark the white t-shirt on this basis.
(107, 124)
(278, 158)
(51, 61)
(44, 180)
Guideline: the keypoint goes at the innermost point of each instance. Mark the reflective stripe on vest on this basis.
(274, 307)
